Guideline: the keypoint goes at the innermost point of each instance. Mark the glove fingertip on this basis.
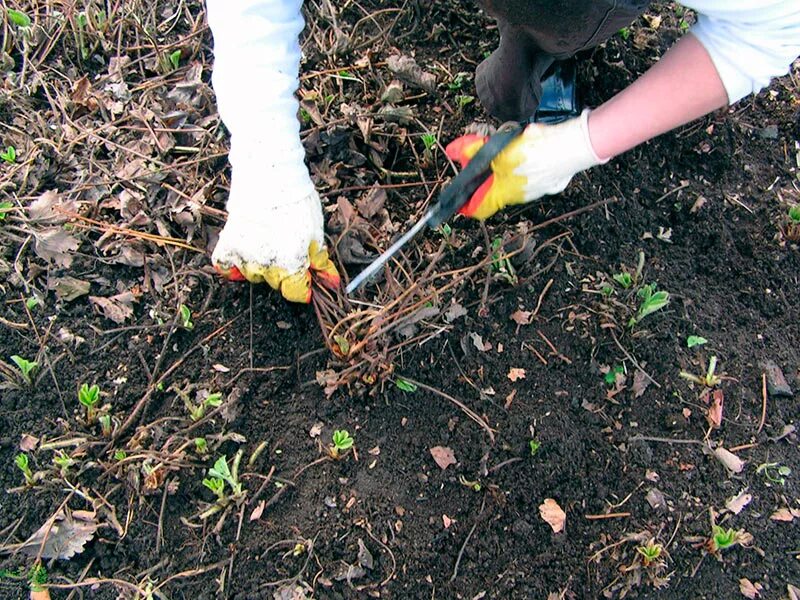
(471, 208)
(462, 149)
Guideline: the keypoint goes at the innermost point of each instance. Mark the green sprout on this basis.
(722, 539)
(651, 301)
(105, 425)
(216, 485)
(650, 552)
(709, 380)
(26, 368)
(31, 303)
(404, 385)
(429, 140)
(475, 486)
(120, 455)
(444, 230)
(63, 461)
(611, 377)
(21, 460)
(186, 317)
(695, 340)
(5, 208)
(198, 411)
(18, 18)
(201, 445)
(342, 442)
(625, 33)
(794, 214)
(774, 472)
(463, 100)
(457, 83)
(10, 155)
(37, 578)
(89, 397)
(624, 279)
(502, 265)
(230, 475)
(175, 58)
(534, 445)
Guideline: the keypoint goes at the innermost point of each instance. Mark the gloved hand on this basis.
(541, 161)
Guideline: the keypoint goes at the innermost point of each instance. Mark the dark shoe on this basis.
(559, 94)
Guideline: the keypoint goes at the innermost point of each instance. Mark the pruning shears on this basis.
(454, 196)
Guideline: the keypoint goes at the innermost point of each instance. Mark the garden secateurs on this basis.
(455, 195)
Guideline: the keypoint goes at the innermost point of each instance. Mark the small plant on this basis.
(105, 425)
(201, 445)
(650, 552)
(230, 475)
(10, 155)
(175, 59)
(37, 579)
(31, 303)
(444, 230)
(611, 377)
(774, 472)
(21, 460)
(120, 455)
(342, 442)
(429, 140)
(26, 368)
(63, 461)
(792, 231)
(475, 486)
(18, 18)
(404, 385)
(217, 486)
(186, 317)
(695, 340)
(463, 100)
(89, 397)
(624, 279)
(457, 83)
(651, 301)
(709, 380)
(5, 208)
(534, 446)
(722, 539)
(198, 411)
(625, 33)
(794, 214)
(501, 265)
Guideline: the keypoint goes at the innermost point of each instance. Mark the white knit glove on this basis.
(541, 161)
(274, 231)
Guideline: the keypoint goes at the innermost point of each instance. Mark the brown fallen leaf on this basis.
(737, 503)
(786, 515)
(28, 442)
(640, 383)
(443, 456)
(521, 317)
(62, 536)
(714, 414)
(515, 374)
(372, 202)
(447, 521)
(117, 308)
(51, 208)
(68, 288)
(749, 589)
(407, 69)
(258, 511)
(553, 515)
(732, 462)
(56, 246)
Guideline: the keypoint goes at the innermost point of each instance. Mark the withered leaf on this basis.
(553, 515)
(50, 208)
(258, 511)
(521, 317)
(69, 288)
(117, 308)
(63, 536)
(732, 462)
(28, 442)
(749, 589)
(737, 503)
(365, 556)
(514, 374)
(640, 383)
(714, 414)
(56, 245)
(372, 202)
(407, 69)
(453, 312)
(443, 456)
(785, 514)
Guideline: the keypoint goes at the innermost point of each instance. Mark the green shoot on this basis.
(429, 140)
(26, 368)
(10, 155)
(175, 58)
(186, 317)
(5, 208)
(650, 552)
(475, 486)
(89, 397)
(463, 100)
(63, 461)
(201, 445)
(625, 33)
(695, 340)
(709, 380)
(120, 455)
(31, 303)
(342, 442)
(220, 470)
(216, 485)
(404, 385)
(651, 301)
(444, 230)
(774, 472)
(534, 446)
(794, 214)
(18, 18)
(624, 279)
(457, 83)
(197, 412)
(502, 265)
(21, 460)
(611, 377)
(105, 425)
(342, 344)
(37, 578)
(722, 539)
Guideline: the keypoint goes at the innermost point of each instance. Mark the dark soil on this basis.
(730, 270)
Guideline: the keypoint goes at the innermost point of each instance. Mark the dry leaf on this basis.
(117, 308)
(316, 429)
(749, 589)
(69, 288)
(714, 414)
(785, 514)
(732, 462)
(50, 208)
(551, 512)
(56, 245)
(372, 202)
(510, 399)
(258, 510)
(794, 592)
(62, 536)
(521, 317)
(28, 442)
(640, 383)
(478, 342)
(737, 503)
(407, 69)
(447, 521)
(443, 456)
(453, 312)
(515, 374)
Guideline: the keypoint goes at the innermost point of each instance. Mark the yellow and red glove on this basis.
(540, 162)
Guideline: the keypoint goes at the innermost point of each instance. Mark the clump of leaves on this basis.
(793, 227)
(201, 446)
(429, 140)
(501, 265)
(63, 461)
(9, 155)
(186, 317)
(723, 539)
(709, 380)
(464, 100)
(611, 377)
(534, 446)
(89, 397)
(650, 301)
(342, 441)
(26, 368)
(774, 472)
(650, 552)
(21, 460)
(5, 208)
(120, 455)
(624, 279)
(218, 476)
(198, 411)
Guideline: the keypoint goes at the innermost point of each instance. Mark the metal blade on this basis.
(378, 263)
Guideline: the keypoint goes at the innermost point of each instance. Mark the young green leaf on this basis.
(26, 367)
(175, 59)
(10, 155)
(18, 18)
(5, 208)
(695, 340)
(794, 214)
(404, 385)
(342, 440)
(624, 279)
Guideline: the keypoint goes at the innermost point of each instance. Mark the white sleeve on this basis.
(255, 77)
(749, 41)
